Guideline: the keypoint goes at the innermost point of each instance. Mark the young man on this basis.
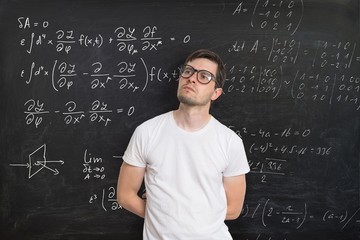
(194, 166)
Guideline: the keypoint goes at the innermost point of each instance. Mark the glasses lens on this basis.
(187, 71)
(204, 76)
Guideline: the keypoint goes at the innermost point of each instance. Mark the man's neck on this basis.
(191, 118)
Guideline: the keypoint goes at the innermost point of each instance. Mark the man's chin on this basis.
(186, 100)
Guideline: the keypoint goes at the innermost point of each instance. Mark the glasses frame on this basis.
(197, 71)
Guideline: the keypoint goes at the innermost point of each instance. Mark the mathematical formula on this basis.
(65, 75)
(266, 211)
(36, 110)
(125, 39)
(134, 76)
(273, 16)
(322, 88)
(296, 215)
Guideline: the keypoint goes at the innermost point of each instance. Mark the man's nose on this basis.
(193, 78)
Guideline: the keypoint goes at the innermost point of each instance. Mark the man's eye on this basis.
(188, 71)
(205, 76)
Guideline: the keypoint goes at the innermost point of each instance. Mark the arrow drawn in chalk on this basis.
(38, 162)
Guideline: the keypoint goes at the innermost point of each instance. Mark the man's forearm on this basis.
(134, 204)
(232, 213)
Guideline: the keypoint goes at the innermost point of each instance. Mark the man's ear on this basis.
(217, 92)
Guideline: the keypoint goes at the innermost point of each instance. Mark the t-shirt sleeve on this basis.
(238, 163)
(134, 153)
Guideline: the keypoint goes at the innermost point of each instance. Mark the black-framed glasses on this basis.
(203, 76)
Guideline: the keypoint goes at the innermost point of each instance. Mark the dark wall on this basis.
(77, 77)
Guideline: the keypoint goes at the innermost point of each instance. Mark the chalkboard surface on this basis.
(77, 77)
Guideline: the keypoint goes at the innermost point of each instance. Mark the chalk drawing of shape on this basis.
(38, 162)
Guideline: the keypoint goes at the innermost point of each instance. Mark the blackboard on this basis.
(77, 77)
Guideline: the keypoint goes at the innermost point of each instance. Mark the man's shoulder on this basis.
(224, 130)
(154, 121)
(222, 127)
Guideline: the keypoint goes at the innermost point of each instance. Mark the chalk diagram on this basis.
(38, 162)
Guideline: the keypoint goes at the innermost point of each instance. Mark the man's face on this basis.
(193, 93)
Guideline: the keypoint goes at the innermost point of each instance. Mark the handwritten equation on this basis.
(107, 199)
(296, 215)
(289, 149)
(125, 76)
(270, 151)
(93, 166)
(264, 146)
(275, 81)
(321, 88)
(126, 39)
(35, 111)
(273, 16)
(267, 211)
(334, 55)
(269, 166)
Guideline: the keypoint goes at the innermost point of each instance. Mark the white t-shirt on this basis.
(183, 178)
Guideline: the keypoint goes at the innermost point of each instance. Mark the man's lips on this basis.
(187, 87)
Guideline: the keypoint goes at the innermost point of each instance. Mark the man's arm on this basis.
(129, 183)
(235, 188)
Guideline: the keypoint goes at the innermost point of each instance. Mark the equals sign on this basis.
(358, 59)
(120, 110)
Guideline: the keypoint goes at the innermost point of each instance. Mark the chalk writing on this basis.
(319, 87)
(126, 39)
(289, 149)
(98, 112)
(274, 16)
(271, 166)
(65, 75)
(38, 162)
(93, 167)
(263, 133)
(107, 199)
(266, 237)
(287, 214)
(296, 215)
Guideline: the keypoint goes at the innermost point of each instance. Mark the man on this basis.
(194, 166)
